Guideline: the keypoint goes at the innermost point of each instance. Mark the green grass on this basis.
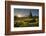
(26, 22)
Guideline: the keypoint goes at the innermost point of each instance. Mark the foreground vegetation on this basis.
(26, 21)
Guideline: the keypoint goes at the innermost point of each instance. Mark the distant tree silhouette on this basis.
(36, 17)
(30, 14)
(15, 17)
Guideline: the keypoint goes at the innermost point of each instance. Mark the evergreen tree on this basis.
(30, 14)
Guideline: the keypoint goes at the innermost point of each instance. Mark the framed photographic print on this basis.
(24, 17)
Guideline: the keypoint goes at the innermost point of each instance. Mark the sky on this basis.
(26, 12)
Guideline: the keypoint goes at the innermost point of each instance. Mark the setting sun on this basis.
(19, 15)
